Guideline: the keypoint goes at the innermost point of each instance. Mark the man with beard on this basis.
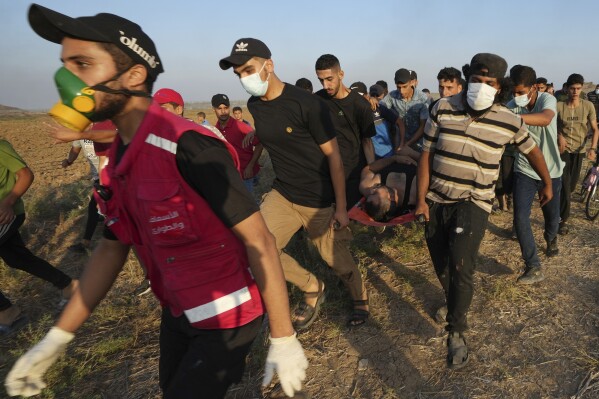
(463, 142)
(353, 120)
(235, 132)
(173, 192)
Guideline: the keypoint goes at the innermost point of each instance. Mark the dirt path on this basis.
(526, 342)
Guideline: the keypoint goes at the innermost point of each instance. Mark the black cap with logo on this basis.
(243, 50)
(219, 99)
(104, 27)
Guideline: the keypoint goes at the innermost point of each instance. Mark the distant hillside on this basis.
(7, 108)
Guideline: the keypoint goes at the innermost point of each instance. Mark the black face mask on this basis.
(129, 93)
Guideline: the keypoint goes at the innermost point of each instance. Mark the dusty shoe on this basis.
(457, 351)
(552, 249)
(563, 229)
(441, 315)
(531, 275)
(142, 289)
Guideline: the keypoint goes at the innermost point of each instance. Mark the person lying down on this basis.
(389, 185)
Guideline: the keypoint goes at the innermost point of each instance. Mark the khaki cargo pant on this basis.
(285, 218)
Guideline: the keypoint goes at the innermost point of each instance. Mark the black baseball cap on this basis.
(487, 64)
(376, 90)
(243, 50)
(403, 75)
(360, 87)
(104, 28)
(219, 99)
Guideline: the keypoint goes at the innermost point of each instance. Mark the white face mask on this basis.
(254, 85)
(480, 96)
(523, 100)
(597, 91)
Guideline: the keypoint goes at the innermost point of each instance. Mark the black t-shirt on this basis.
(354, 121)
(206, 165)
(292, 127)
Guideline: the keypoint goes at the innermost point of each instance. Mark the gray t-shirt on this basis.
(88, 150)
(544, 136)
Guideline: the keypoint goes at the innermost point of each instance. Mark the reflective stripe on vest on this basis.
(218, 306)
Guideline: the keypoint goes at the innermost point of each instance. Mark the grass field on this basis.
(526, 342)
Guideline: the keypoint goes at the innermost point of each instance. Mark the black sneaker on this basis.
(552, 249)
(531, 275)
(563, 229)
(457, 351)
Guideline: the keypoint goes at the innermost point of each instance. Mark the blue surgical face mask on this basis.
(254, 85)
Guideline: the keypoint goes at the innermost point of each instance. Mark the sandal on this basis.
(306, 312)
(358, 316)
(20, 321)
(457, 351)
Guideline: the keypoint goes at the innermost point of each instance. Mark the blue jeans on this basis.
(525, 189)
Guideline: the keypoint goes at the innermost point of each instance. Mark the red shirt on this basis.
(235, 131)
(102, 148)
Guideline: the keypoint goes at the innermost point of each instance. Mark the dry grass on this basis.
(526, 342)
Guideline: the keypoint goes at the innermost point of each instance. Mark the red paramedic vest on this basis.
(195, 264)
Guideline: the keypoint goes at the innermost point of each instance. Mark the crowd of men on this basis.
(180, 192)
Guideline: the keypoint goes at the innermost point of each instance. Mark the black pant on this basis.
(16, 255)
(201, 363)
(569, 179)
(505, 181)
(453, 236)
(93, 217)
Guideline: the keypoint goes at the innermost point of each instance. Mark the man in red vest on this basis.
(198, 239)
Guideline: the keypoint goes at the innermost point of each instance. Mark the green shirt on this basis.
(572, 123)
(10, 164)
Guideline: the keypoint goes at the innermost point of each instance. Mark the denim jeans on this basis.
(453, 236)
(525, 189)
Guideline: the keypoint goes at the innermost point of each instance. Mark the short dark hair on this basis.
(575, 78)
(541, 81)
(523, 75)
(123, 62)
(237, 109)
(327, 61)
(377, 212)
(451, 74)
(383, 83)
(202, 114)
(305, 84)
(426, 91)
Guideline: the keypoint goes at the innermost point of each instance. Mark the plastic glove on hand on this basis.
(286, 357)
(25, 377)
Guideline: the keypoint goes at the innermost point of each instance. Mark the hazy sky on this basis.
(372, 39)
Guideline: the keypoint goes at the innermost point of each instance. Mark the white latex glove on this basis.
(25, 378)
(286, 357)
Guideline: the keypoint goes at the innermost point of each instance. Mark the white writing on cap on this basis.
(241, 46)
(132, 44)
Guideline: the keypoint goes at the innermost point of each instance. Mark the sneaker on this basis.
(531, 275)
(441, 315)
(457, 351)
(563, 229)
(552, 249)
(143, 288)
